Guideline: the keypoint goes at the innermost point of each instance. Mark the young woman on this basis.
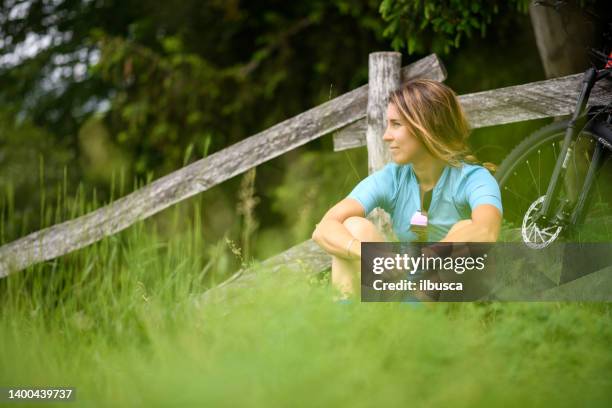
(433, 176)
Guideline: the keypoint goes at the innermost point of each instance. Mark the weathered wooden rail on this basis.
(355, 118)
(536, 100)
(199, 176)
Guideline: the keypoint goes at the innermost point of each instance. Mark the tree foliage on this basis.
(438, 26)
(171, 78)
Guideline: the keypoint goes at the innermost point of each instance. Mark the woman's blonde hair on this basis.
(434, 114)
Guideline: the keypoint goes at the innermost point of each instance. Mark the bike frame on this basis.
(560, 216)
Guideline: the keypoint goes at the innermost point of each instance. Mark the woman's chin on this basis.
(400, 160)
(400, 157)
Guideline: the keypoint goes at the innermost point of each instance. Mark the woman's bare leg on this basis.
(345, 273)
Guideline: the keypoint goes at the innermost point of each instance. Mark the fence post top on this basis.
(384, 54)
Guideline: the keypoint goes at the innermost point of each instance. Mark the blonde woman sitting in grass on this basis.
(433, 177)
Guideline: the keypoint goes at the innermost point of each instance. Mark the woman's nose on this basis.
(387, 137)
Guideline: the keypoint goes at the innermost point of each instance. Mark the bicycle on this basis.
(564, 154)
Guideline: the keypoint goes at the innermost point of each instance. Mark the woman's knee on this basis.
(363, 229)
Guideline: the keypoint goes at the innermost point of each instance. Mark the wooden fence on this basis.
(356, 118)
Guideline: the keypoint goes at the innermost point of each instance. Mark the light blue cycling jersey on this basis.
(395, 189)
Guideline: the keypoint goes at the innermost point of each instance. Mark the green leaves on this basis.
(172, 45)
(439, 25)
(163, 99)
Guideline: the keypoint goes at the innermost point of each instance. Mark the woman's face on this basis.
(404, 146)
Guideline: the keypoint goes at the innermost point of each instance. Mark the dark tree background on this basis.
(95, 87)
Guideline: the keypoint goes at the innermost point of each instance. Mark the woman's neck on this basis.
(428, 171)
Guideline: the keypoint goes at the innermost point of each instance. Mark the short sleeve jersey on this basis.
(459, 190)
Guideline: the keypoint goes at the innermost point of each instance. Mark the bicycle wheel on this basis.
(523, 177)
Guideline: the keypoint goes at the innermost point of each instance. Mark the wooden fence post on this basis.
(383, 77)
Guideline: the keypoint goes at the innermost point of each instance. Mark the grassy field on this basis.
(122, 322)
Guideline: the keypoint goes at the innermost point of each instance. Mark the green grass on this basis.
(122, 321)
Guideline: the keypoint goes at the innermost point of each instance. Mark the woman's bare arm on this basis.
(331, 234)
(484, 226)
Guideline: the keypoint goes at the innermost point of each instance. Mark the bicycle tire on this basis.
(531, 142)
(527, 148)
